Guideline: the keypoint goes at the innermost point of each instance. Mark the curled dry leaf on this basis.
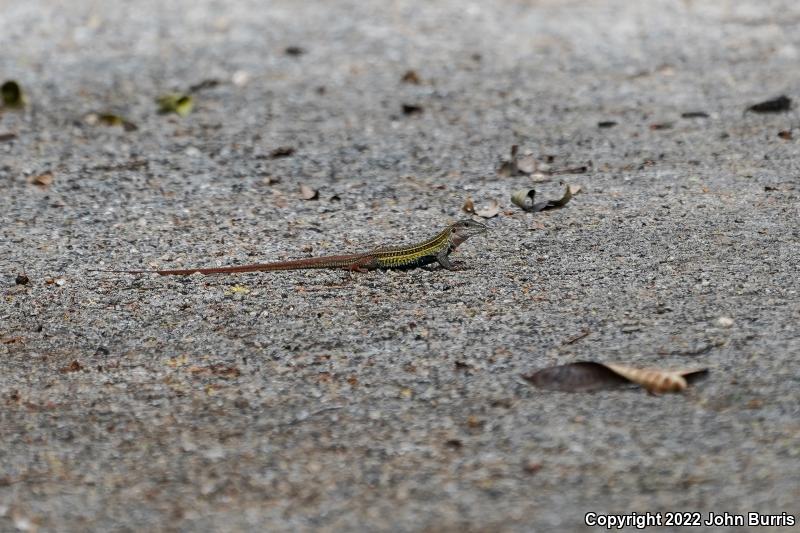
(489, 210)
(12, 94)
(653, 380)
(178, 103)
(469, 206)
(587, 376)
(524, 199)
(775, 105)
(307, 193)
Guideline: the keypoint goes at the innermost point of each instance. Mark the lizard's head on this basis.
(464, 229)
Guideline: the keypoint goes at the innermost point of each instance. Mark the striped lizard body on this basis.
(435, 249)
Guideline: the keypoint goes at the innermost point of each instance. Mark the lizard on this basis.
(433, 250)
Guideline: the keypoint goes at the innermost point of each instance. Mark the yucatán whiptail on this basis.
(435, 249)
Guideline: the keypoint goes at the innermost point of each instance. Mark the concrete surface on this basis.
(392, 401)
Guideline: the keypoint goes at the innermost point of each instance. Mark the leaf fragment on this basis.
(775, 105)
(489, 210)
(469, 206)
(110, 119)
(589, 376)
(282, 151)
(219, 370)
(202, 85)
(524, 199)
(178, 103)
(412, 109)
(307, 193)
(74, 366)
(411, 77)
(12, 94)
(42, 181)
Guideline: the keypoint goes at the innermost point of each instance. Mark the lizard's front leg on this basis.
(443, 260)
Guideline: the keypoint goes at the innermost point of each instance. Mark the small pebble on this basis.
(725, 322)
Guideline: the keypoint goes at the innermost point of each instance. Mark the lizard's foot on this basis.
(458, 267)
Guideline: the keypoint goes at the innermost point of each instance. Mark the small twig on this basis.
(297, 420)
(576, 338)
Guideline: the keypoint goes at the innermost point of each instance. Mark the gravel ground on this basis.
(392, 400)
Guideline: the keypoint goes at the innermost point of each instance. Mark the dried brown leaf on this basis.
(282, 151)
(469, 206)
(227, 372)
(657, 381)
(524, 199)
(74, 366)
(42, 181)
(411, 77)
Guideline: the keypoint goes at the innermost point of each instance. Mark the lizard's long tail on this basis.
(353, 261)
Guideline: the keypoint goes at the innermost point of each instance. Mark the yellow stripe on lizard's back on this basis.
(415, 255)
